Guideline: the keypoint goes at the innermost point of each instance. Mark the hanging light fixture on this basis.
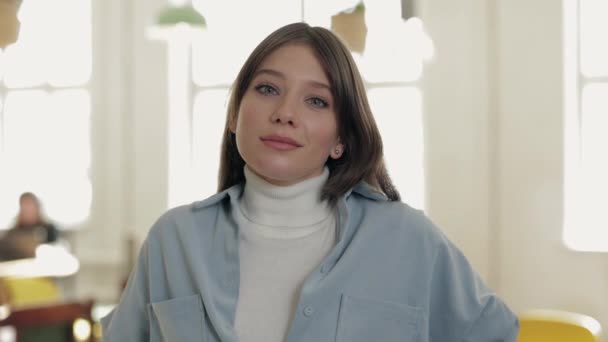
(173, 15)
(408, 9)
(9, 23)
(351, 27)
(177, 20)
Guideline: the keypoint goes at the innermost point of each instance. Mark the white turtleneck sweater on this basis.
(285, 232)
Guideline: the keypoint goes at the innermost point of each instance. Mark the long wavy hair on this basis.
(362, 159)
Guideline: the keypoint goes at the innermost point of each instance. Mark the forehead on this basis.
(296, 58)
(27, 199)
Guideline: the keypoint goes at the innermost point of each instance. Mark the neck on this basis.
(297, 205)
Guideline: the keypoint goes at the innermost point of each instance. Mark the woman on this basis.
(307, 239)
(30, 230)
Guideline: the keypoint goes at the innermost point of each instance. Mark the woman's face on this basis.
(287, 127)
(29, 212)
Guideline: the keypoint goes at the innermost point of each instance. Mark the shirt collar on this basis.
(235, 191)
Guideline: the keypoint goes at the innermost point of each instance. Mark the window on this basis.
(391, 70)
(45, 110)
(586, 125)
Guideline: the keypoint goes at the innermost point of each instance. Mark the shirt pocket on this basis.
(374, 320)
(179, 319)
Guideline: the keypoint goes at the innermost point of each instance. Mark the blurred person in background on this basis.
(30, 230)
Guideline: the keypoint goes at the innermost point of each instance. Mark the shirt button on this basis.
(308, 311)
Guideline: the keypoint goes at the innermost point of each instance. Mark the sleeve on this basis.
(462, 307)
(128, 321)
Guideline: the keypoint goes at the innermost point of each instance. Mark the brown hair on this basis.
(362, 159)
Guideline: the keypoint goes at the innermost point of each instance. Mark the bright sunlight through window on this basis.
(45, 110)
(586, 124)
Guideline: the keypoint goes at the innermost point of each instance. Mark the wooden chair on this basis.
(557, 326)
(58, 322)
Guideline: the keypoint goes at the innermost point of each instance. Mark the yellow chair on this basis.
(557, 326)
(31, 291)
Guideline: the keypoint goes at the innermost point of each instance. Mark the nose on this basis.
(285, 112)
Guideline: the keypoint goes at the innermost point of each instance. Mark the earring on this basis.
(338, 150)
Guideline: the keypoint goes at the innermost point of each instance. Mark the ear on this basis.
(337, 151)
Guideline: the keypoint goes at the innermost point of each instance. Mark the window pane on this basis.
(54, 44)
(70, 59)
(232, 33)
(1, 126)
(587, 224)
(319, 12)
(198, 178)
(46, 149)
(389, 59)
(594, 42)
(398, 113)
(208, 126)
(2, 64)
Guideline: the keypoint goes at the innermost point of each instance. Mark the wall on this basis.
(536, 270)
(457, 127)
(494, 106)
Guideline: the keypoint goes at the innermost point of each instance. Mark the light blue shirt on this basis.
(392, 276)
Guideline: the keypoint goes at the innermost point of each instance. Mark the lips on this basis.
(280, 142)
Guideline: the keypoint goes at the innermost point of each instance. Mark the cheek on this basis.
(242, 121)
(324, 133)
(249, 114)
(247, 129)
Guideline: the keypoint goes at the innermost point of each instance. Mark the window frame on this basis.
(575, 82)
(48, 89)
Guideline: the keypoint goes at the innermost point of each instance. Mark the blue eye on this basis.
(265, 89)
(317, 102)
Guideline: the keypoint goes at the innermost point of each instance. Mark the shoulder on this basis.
(401, 219)
(193, 216)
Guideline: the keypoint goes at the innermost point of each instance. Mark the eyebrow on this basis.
(279, 74)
